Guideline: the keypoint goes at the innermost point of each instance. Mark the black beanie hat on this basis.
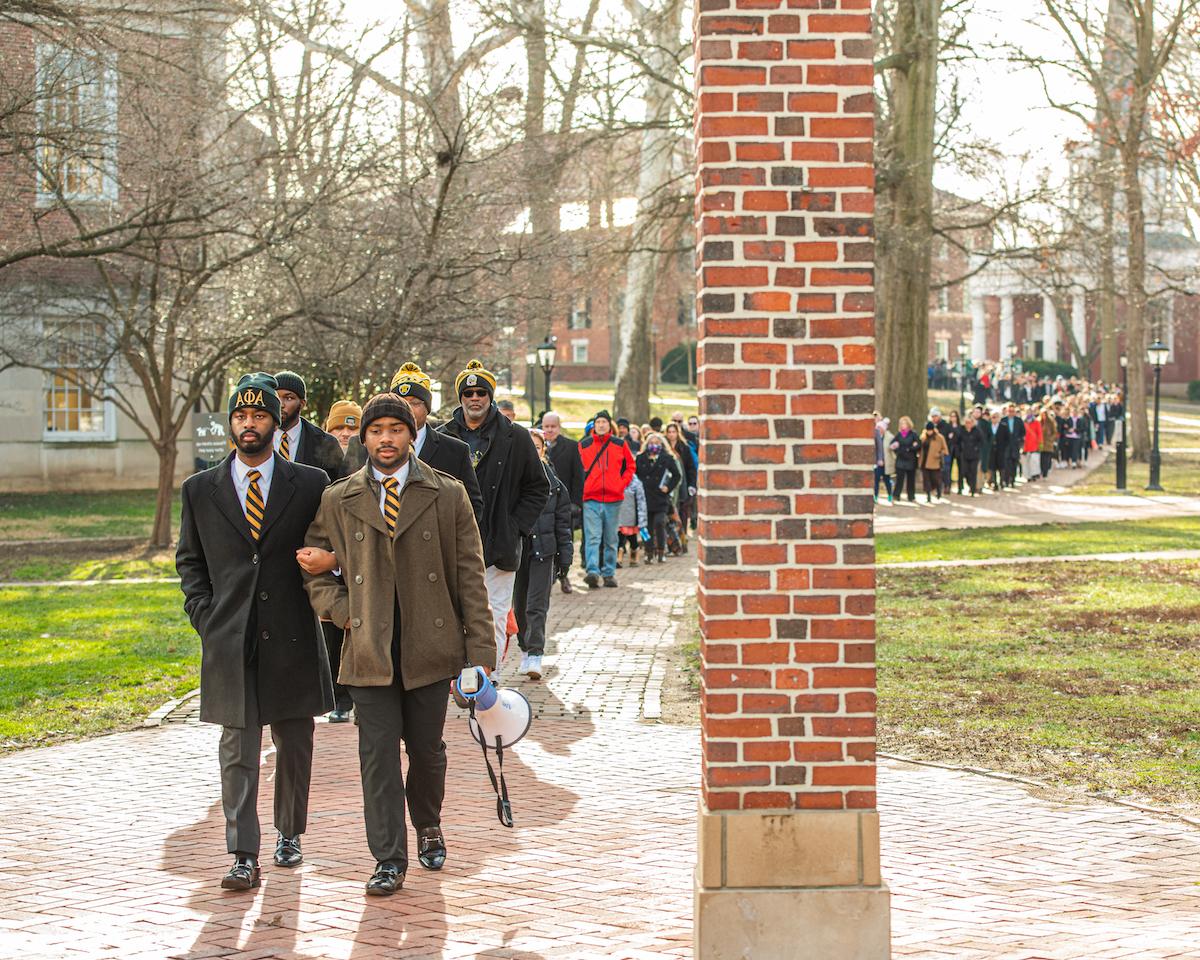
(605, 415)
(386, 405)
(288, 380)
(256, 390)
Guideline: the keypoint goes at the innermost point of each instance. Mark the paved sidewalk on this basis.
(112, 848)
(1029, 504)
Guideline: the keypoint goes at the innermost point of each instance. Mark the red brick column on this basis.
(784, 127)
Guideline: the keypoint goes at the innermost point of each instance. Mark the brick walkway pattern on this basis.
(112, 848)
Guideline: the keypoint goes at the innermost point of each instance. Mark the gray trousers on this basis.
(387, 715)
(531, 601)
(240, 752)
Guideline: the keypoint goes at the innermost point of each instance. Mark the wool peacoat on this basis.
(432, 567)
(321, 450)
(247, 598)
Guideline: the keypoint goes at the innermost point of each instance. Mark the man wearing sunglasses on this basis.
(512, 481)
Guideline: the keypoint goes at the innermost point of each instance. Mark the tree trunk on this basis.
(1106, 310)
(902, 315)
(631, 395)
(160, 534)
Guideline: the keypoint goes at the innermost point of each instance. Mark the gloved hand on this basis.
(691, 491)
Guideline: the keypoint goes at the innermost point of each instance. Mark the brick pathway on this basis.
(113, 847)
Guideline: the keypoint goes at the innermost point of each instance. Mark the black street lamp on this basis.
(963, 350)
(1156, 354)
(531, 359)
(1122, 462)
(546, 354)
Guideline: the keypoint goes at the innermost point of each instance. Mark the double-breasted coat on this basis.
(242, 595)
(432, 567)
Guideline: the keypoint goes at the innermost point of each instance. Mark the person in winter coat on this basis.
(263, 659)
(1049, 440)
(971, 451)
(1032, 443)
(511, 479)
(297, 439)
(687, 462)
(907, 447)
(934, 452)
(954, 440)
(885, 458)
(659, 474)
(608, 467)
(631, 521)
(548, 548)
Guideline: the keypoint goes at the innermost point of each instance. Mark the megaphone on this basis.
(501, 717)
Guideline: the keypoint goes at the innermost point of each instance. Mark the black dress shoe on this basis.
(243, 875)
(566, 585)
(431, 848)
(339, 716)
(386, 880)
(287, 852)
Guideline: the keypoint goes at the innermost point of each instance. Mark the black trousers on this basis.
(240, 753)
(531, 601)
(630, 542)
(969, 471)
(387, 716)
(658, 533)
(906, 479)
(931, 481)
(333, 643)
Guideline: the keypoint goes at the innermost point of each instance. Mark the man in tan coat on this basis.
(410, 592)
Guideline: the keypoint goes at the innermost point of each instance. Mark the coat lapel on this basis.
(361, 497)
(282, 487)
(225, 497)
(418, 493)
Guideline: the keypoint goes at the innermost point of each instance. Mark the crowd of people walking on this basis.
(1019, 429)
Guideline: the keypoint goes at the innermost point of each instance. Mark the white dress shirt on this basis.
(241, 480)
(293, 436)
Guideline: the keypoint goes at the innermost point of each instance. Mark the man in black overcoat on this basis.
(563, 453)
(431, 446)
(263, 658)
(299, 440)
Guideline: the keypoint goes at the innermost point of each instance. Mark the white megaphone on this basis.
(501, 717)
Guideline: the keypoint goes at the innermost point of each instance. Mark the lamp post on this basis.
(531, 359)
(963, 350)
(1156, 353)
(545, 356)
(1122, 477)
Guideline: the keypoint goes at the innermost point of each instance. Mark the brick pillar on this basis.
(789, 838)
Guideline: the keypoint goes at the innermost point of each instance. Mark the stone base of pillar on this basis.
(803, 885)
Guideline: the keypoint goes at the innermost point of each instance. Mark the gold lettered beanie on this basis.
(344, 413)
(410, 381)
(256, 390)
(475, 376)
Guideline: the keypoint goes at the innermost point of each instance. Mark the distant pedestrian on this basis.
(608, 467)
(631, 522)
(342, 422)
(659, 474)
(297, 439)
(907, 447)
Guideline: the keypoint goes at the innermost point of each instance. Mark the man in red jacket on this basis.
(608, 468)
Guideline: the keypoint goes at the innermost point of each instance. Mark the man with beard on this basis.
(297, 439)
(432, 447)
(511, 478)
(564, 458)
(410, 595)
(263, 659)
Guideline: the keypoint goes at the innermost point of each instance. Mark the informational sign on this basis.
(1119, 432)
(210, 437)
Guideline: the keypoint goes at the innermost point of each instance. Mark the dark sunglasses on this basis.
(474, 393)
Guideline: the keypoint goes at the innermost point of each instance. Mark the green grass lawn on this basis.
(56, 516)
(85, 661)
(1082, 674)
(1180, 476)
(1046, 540)
(84, 562)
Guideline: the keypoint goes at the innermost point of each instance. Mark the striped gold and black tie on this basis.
(255, 507)
(391, 502)
(285, 447)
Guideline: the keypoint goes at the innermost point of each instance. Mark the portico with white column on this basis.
(1049, 328)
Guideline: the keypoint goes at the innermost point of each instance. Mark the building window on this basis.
(579, 317)
(941, 348)
(72, 412)
(77, 126)
(579, 351)
(943, 299)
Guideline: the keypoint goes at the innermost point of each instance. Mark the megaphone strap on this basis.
(503, 807)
